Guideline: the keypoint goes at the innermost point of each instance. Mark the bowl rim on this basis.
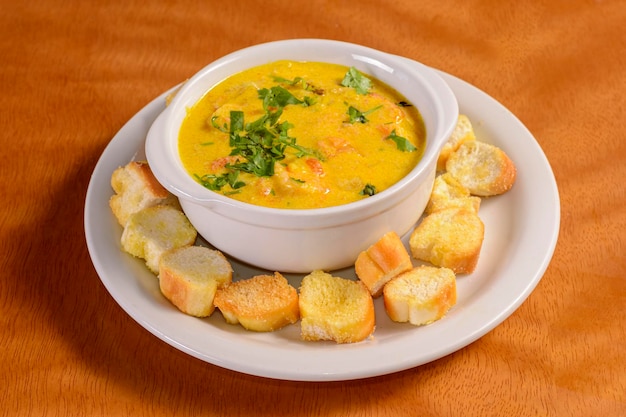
(444, 100)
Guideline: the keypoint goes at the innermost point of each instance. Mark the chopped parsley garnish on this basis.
(357, 80)
(369, 190)
(261, 143)
(279, 97)
(300, 80)
(258, 144)
(216, 182)
(402, 143)
(223, 128)
(357, 116)
(291, 82)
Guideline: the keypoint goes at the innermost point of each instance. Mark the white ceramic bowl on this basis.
(288, 240)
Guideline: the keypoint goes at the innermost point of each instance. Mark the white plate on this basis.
(521, 230)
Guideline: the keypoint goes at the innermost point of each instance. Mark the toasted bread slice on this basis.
(484, 169)
(334, 308)
(190, 276)
(136, 188)
(450, 238)
(448, 192)
(263, 303)
(151, 232)
(420, 296)
(463, 132)
(382, 261)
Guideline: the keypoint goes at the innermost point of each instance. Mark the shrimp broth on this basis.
(301, 135)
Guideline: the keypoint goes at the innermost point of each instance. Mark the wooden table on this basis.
(73, 72)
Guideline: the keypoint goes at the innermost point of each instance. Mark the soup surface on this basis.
(301, 135)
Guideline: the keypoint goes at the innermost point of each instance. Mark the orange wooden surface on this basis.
(73, 72)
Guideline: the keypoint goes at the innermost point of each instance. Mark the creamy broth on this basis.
(336, 140)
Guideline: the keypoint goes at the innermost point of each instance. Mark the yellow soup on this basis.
(301, 135)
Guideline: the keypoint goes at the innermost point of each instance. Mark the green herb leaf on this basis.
(277, 97)
(308, 101)
(402, 143)
(232, 178)
(291, 82)
(223, 128)
(217, 182)
(356, 80)
(357, 116)
(369, 190)
(236, 121)
(300, 80)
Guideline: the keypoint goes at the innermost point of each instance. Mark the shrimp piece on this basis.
(301, 176)
(385, 129)
(220, 163)
(334, 145)
(315, 165)
(264, 186)
(234, 99)
(220, 118)
(396, 112)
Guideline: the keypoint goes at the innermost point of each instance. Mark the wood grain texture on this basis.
(73, 72)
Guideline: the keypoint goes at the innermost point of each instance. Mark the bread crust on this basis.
(190, 276)
(450, 238)
(420, 296)
(152, 231)
(382, 261)
(448, 192)
(335, 308)
(263, 303)
(484, 169)
(463, 132)
(136, 188)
